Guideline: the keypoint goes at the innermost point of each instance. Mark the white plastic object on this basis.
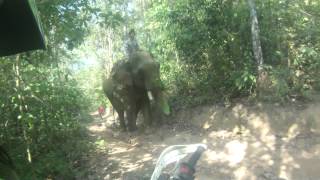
(173, 154)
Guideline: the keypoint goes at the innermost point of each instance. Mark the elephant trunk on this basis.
(159, 100)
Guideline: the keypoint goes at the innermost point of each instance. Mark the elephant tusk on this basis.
(150, 96)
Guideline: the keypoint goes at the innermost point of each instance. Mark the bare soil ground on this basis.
(245, 142)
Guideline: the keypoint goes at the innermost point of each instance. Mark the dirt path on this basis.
(264, 141)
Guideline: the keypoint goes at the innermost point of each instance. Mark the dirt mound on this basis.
(262, 141)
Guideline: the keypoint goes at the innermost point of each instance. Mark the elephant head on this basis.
(146, 73)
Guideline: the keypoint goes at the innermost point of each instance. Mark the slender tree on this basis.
(256, 44)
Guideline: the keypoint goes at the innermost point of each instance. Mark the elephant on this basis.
(135, 86)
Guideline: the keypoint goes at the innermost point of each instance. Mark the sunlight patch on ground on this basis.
(118, 150)
(97, 128)
(288, 165)
(242, 173)
(257, 143)
(235, 151)
(293, 131)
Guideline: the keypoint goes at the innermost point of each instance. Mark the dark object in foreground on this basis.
(7, 168)
(186, 170)
(20, 28)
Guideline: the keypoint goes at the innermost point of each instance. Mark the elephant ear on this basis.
(163, 104)
(121, 74)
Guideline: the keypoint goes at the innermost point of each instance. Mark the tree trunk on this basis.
(256, 46)
(110, 48)
(22, 106)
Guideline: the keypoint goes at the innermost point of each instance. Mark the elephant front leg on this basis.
(147, 114)
(122, 122)
(132, 119)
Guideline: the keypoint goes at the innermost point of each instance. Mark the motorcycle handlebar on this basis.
(195, 156)
(186, 170)
(173, 154)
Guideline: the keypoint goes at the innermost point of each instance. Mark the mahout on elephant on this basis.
(134, 86)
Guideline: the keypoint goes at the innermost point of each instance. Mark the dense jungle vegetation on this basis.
(204, 47)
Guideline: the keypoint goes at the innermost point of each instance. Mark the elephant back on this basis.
(142, 59)
(141, 56)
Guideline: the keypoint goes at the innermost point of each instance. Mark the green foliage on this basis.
(41, 113)
(41, 103)
(90, 80)
(211, 41)
(205, 47)
(245, 80)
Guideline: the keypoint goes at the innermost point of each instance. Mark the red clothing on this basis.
(101, 110)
